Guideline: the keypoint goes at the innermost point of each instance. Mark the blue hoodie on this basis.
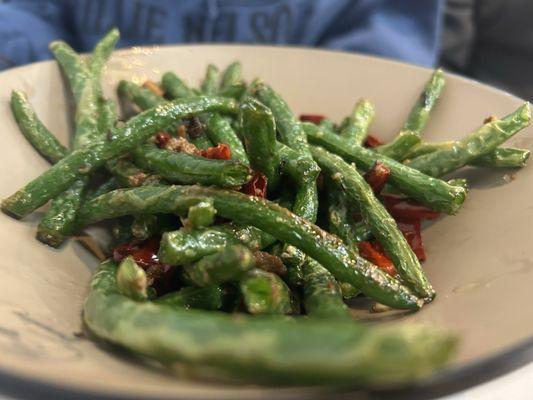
(403, 29)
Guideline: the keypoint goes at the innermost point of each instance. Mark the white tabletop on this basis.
(516, 385)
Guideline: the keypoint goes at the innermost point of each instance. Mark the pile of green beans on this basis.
(256, 219)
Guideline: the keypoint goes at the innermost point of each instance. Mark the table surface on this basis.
(515, 385)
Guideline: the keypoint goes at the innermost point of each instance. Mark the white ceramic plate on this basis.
(480, 261)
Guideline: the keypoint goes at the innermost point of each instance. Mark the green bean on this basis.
(86, 119)
(290, 255)
(292, 134)
(219, 130)
(419, 115)
(210, 83)
(131, 280)
(300, 170)
(107, 186)
(202, 142)
(265, 293)
(424, 148)
(299, 167)
(500, 157)
(174, 87)
(480, 142)
(236, 91)
(400, 147)
(187, 168)
(295, 275)
(85, 86)
(293, 258)
(304, 172)
(127, 173)
(107, 115)
(503, 158)
(306, 201)
(81, 162)
(327, 124)
(356, 127)
(374, 214)
(259, 130)
(73, 66)
(362, 232)
(288, 126)
(232, 75)
(267, 216)
(58, 222)
(298, 351)
(142, 97)
(348, 291)
(34, 130)
(432, 192)
(188, 245)
(202, 214)
(94, 117)
(459, 182)
(144, 226)
(340, 217)
(121, 231)
(102, 51)
(203, 298)
(227, 265)
(322, 294)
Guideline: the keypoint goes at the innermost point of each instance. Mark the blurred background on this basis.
(489, 40)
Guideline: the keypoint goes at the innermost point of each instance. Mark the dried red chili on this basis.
(411, 231)
(377, 176)
(377, 257)
(143, 252)
(403, 209)
(257, 186)
(314, 118)
(372, 141)
(162, 277)
(220, 152)
(162, 138)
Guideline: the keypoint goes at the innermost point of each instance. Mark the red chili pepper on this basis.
(402, 209)
(161, 277)
(257, 186)
(314, 118)
(162, 139)
(411, 231)
(144, 253)
(377, 176)
(377, 257)
(372, 141)
(220, 152)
